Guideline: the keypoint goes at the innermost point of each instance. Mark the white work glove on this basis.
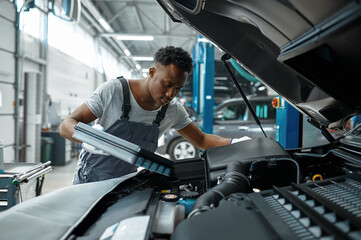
(236, 140)
(89, 148)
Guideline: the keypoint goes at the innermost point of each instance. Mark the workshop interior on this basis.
(282, 76)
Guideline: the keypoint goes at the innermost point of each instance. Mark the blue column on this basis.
(208, 88)
(197, 60)
(287, 125)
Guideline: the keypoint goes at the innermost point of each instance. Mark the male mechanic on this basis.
(139, 111)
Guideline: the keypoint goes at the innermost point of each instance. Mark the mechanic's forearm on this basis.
(66, 129)
(211, 140)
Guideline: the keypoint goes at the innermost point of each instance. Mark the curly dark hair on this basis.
(174, 55)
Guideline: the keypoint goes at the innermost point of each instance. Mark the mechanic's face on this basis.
(166, 82)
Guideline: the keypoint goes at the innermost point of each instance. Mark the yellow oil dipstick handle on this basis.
(317, 177)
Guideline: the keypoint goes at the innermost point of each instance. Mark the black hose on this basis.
(234, 181)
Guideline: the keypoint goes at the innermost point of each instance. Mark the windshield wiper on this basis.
(224, 58)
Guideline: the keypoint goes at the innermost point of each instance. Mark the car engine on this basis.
(253, 189)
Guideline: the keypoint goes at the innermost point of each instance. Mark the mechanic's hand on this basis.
(236, 140)
(89, 148)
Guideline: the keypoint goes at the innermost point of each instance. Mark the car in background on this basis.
(232, 119)
(173, 144)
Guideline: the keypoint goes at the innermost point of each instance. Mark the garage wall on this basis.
(69, 81)
(7, 78)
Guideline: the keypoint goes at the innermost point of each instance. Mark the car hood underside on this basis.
(310, 57)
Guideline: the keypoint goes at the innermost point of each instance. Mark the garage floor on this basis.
(59, 177)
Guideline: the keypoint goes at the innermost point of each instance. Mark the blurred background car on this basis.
(232, 119)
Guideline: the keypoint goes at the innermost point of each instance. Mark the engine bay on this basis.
(254, 189)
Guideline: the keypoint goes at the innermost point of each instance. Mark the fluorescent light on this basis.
(137, 66)
(203, 40)
(127, 52)
(145, 75)
(104, 24)
(143, 58)
(135, 37)
(145, 70)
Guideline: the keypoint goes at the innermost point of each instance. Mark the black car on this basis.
(309, 52)
(232, 119)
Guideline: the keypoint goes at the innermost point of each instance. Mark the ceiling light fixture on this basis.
(135, 37)
(137, 66)
(143, 58)
(145, 75)
(127, 52)
(145, 70)
(104, 24)
(203, 40)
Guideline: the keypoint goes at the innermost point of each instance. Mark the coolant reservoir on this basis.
(168, 215)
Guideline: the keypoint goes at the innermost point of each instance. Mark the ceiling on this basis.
(139, 17)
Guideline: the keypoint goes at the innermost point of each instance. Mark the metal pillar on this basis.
(203, 82)
(208, 88)
(32, 116)
(287, 125)
(198, 60)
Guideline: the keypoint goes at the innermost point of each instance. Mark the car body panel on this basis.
(56, 214)
(303, 60)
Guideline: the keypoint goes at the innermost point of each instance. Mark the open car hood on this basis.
(307, 51)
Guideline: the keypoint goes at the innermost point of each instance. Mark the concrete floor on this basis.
(59, 177)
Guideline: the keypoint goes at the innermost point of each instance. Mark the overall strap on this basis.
(126, 98)
(160, 115)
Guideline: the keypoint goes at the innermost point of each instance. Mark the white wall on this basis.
(68, 80)
(7, 78)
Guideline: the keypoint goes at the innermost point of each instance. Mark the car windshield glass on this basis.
(234, 112)
(263, 110)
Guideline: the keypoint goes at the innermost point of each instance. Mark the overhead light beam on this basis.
(104, 24)
(135, 37)
(127, 52)
(139, 58)
(155, 35)
(202, 40)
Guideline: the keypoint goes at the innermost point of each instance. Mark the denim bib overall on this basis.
(96, 167)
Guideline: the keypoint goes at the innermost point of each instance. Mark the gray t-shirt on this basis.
(107, 100)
